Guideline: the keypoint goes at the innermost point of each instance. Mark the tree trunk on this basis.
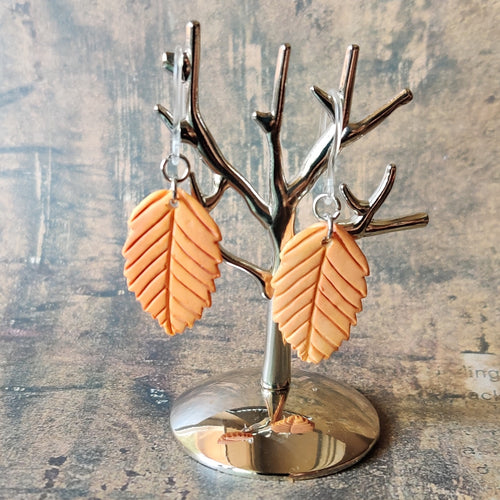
(276, 372)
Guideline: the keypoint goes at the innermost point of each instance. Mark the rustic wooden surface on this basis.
(87, 379)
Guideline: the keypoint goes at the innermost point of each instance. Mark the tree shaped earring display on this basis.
(264, 421)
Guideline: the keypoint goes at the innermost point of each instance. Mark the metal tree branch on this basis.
(363, 225)
(262, 276)
(356, 130)
(271, 124)
(208, 201)
(316, 160)
(347, 80)
(353, 131)
(195, 132)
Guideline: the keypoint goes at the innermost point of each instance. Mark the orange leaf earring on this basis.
(172, 255)
(318, 290)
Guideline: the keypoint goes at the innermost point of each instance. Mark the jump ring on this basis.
(166, 162)
(327, 215)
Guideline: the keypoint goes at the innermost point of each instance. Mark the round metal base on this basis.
(224, 424)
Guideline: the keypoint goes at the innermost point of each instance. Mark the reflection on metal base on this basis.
(346, 426)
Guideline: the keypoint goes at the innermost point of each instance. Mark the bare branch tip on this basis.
(322, 96)
(161, 109)
(193, 25)
(164, 114)
(317, 90)
(390, 175)
(391, 169)
(351, 58)
(407, 95)
(193, 29)
(264, 119)
(167, 61)
(285, 49)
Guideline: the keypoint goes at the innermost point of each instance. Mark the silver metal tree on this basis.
(278, 215)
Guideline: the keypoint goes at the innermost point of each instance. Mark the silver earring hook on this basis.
(327, 206)
(179, 112)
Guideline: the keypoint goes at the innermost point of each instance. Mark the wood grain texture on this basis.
(87, 379)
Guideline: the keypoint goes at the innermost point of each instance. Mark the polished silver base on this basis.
(345, 426)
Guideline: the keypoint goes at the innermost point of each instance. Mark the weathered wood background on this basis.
(86, 378)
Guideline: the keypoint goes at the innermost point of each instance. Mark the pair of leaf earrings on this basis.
(172, 256)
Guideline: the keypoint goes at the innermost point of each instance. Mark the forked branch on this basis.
(363, 225)
(271, 124)
(208, 201)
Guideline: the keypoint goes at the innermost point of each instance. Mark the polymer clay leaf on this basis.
(172, 256)
(318, 289)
